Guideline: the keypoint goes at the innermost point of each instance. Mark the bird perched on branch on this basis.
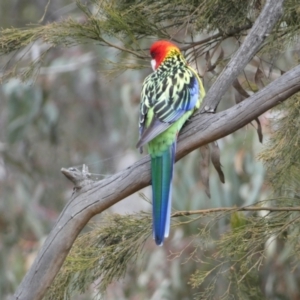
(170, 95)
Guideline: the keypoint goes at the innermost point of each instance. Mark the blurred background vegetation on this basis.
(80, 107)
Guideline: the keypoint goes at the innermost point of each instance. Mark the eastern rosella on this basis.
(170, 95)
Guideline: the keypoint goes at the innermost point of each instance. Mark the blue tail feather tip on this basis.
(159, 241)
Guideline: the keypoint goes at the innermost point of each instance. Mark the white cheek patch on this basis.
(153, 64)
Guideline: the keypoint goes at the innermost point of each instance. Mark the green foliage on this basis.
(238, 221)
(128, 22)
(105, 252)
(282, 155)
(136, 19)
(241, 255)
(235, 259)
(26, 107)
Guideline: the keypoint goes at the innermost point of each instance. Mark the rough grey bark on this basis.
(263, 25)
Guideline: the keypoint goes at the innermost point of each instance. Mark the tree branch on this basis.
(95, 197)
(263, 25)
(232, 209)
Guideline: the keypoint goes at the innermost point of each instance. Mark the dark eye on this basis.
(153, 54)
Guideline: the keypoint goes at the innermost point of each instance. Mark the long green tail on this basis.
(162, 174)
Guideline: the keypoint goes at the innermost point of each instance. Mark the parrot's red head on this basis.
(161, 50)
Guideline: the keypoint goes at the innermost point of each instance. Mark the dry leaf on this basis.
(258, 78)
(238, 97)
(204, 168)
(236, 84)
(259, 130)
(215, 159)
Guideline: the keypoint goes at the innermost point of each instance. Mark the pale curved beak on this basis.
(153, 64)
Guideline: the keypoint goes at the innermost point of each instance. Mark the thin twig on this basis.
(215, 36)
(228, 209)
